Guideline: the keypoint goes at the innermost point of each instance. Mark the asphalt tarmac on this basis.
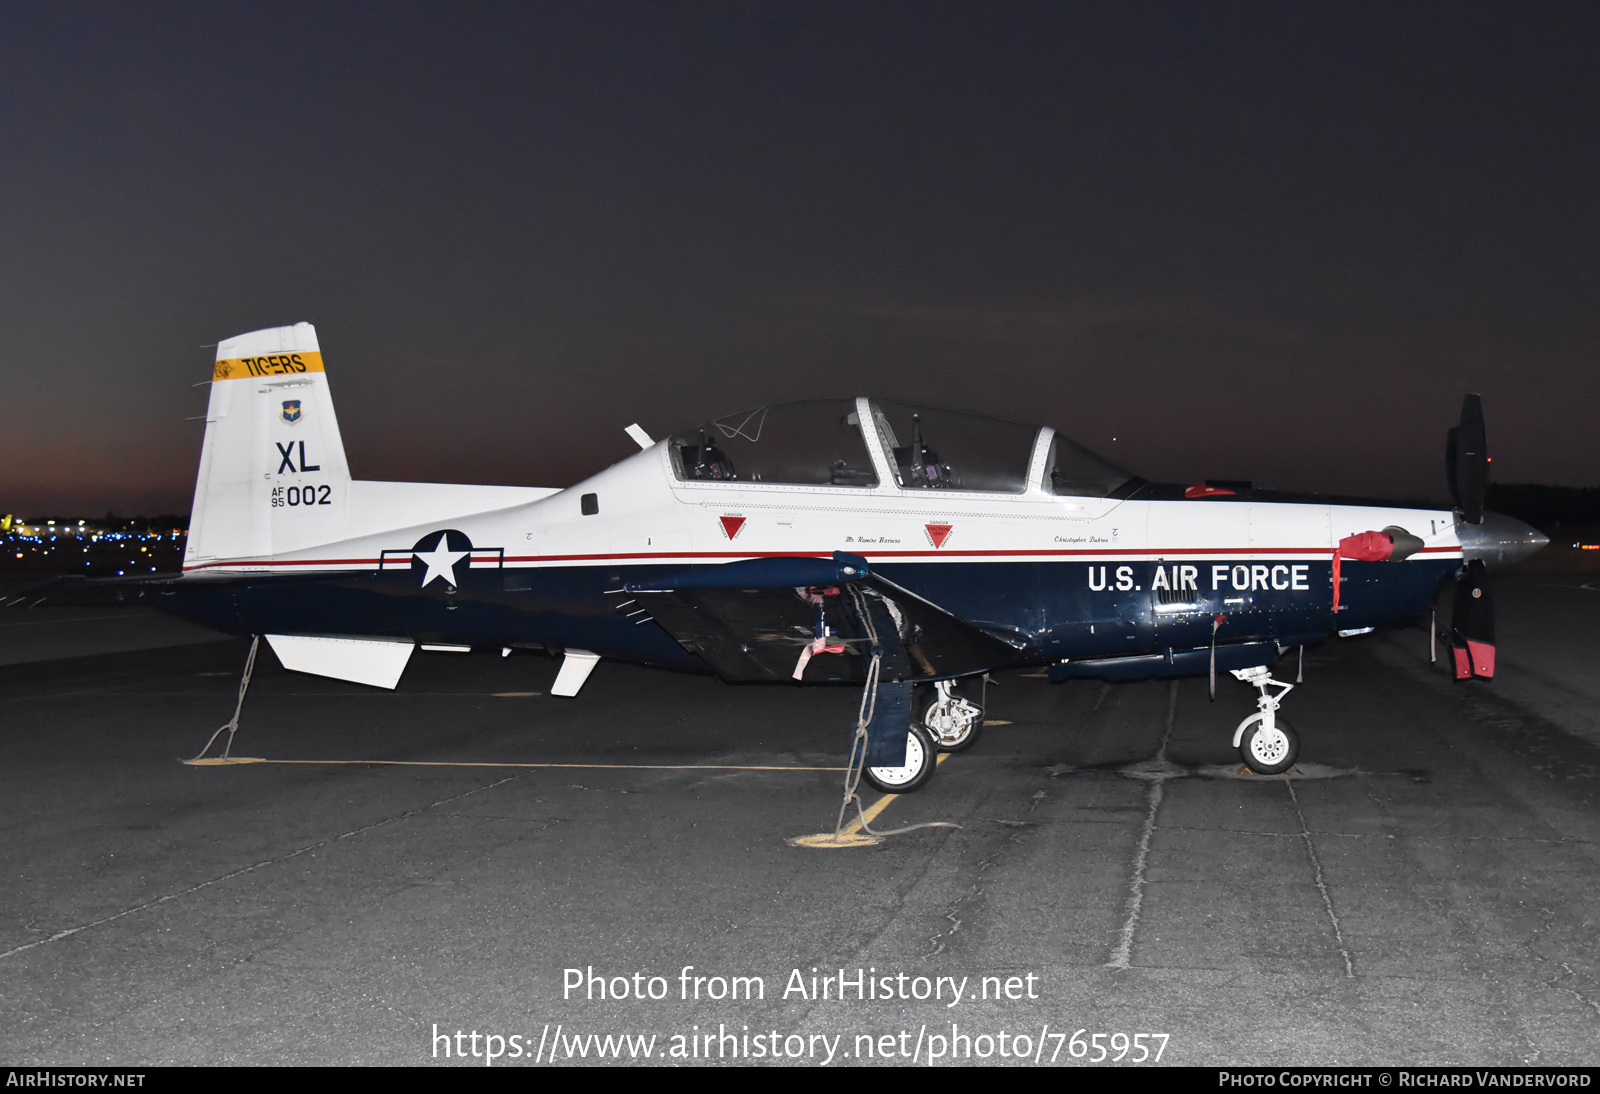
(1424, 891)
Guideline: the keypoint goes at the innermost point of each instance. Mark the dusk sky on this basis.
(1264, 241)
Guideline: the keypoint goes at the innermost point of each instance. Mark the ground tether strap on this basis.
(232, 726)
(858, 743)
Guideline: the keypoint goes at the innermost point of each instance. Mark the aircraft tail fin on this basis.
(273, 475)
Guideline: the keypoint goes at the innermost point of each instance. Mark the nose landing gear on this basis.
(1266, 742)
(951, 719)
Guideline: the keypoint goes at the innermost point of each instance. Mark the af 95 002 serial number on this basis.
(301, 495)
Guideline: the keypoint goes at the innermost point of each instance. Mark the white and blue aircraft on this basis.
(858, 540)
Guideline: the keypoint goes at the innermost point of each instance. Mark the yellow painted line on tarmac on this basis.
(851, 835)
(226, 761)
(996, 722)
(324, 694)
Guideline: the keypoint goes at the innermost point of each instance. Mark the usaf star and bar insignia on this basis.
(443, 557)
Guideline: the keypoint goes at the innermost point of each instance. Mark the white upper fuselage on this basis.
(647, 515)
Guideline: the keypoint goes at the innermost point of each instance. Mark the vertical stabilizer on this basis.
(273, 476)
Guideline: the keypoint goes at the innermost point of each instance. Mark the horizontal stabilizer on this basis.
(377, 662)
(74, 591)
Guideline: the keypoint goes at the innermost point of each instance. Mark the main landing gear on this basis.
(1266, 742)
(943, 719)
(921, 758)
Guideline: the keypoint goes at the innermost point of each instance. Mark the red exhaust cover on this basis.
(1361, 547)
(1367, 547)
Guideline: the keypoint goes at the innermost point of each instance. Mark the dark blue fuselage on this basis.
(1052, 610)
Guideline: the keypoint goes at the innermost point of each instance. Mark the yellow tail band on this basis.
(272, 364)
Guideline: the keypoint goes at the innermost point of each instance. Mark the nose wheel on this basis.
(951, 719)
(1267, 744)
(1268, 750)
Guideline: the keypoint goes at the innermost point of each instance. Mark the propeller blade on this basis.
(1472, 623)
(1470, 463)
(1452, 441)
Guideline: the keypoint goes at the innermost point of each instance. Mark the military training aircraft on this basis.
(910, 549)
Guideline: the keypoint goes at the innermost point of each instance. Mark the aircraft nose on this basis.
(1500, 541)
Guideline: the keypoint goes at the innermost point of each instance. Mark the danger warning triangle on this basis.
(731, 525)
(938, 533)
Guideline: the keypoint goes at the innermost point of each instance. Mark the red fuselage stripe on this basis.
(1121, 552)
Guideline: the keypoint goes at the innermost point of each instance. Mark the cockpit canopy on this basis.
(820, 443)
(814, 443)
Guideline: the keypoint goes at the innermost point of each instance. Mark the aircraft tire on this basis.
(926, 698)
(921, 758)
(1269, 753)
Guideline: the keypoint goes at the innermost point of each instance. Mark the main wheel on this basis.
(1269, 751)
(921, 758)
(954, 726)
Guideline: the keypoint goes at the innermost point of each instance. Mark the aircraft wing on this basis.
(756, 620)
